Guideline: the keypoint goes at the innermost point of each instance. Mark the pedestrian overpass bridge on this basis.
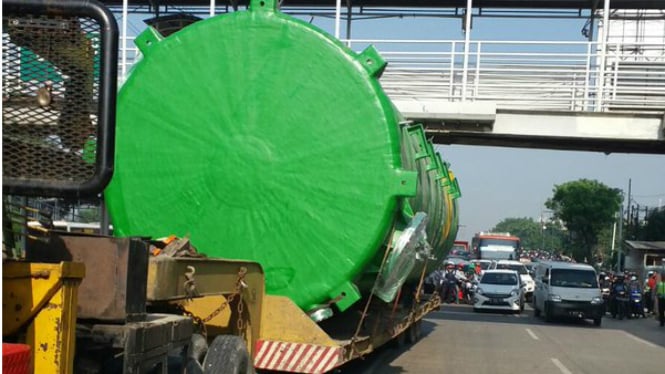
(555, 95)
(600, 96)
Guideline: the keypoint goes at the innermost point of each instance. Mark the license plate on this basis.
(496, 301)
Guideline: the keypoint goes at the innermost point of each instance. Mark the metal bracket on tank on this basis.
(417, 132)
(148, 39)
(372, 61)
(407, 182)
(263, 5)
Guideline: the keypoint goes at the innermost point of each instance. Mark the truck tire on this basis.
(419, 329)
(227, 355)
(414, 332)
(411, 334)
(536, 311)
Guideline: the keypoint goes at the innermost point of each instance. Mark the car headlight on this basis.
(596, 300)
(514, 292)
(555, 298)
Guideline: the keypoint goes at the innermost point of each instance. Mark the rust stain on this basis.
(59, 336)
(51, 306)
(44, 346)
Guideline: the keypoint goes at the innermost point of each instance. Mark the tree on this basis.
(654, 230)
(585, 207)
(526, 229)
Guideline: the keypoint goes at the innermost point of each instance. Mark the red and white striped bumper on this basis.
(296, 357)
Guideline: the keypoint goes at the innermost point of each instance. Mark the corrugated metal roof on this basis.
(644, 245)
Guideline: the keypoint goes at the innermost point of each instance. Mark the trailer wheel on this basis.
(227, 355)
(413, 333)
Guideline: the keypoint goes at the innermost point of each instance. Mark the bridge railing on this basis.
(526, 74)
(534, 75)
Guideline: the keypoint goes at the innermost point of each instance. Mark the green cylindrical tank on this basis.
(263, 138)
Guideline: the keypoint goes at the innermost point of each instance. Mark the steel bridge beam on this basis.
(483, 124)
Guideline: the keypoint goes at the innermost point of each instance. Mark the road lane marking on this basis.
(532, 334)
(640, 340)
(558, 364)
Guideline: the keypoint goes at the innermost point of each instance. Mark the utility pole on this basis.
(620, 249)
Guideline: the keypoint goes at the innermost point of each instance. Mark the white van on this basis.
(567, 289)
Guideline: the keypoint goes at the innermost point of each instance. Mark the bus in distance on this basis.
(496, 246)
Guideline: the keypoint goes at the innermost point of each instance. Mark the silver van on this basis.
(567, 289)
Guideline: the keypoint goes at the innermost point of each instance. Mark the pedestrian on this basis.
(660, 294)
(649, 286)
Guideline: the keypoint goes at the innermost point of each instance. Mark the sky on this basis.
(499, 183)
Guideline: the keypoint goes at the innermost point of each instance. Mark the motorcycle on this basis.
(620, 305)
(636, 307)
(605, 293)
(448, 290)
(468, 290)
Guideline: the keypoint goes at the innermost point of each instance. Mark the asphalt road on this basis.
(457, 340)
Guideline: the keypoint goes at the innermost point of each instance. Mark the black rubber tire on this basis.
(419, 329)
(536, 311)
(227, 355)
(621, 311)
(548, 314)
(399, 341)
(597, 321)
(411, 334)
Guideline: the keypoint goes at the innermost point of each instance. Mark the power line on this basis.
(646, 196)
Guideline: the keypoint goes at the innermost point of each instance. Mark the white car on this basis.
(499, 290)
(520, 268)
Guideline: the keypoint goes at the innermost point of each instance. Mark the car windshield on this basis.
(499, 278)
(521, 269)
(573, 278)
(484, 265)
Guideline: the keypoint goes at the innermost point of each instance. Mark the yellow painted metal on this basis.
(283, 321)
(213, 280)
(39, 304)
(226, 322)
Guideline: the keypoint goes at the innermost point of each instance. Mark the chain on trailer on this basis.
(201, 322)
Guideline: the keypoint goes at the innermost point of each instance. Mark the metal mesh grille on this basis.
(50, 90)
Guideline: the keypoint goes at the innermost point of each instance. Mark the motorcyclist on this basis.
(605, 286)
(637, 307)
(433, 281)
(634, 284)
(616, 299)
(449, 284)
